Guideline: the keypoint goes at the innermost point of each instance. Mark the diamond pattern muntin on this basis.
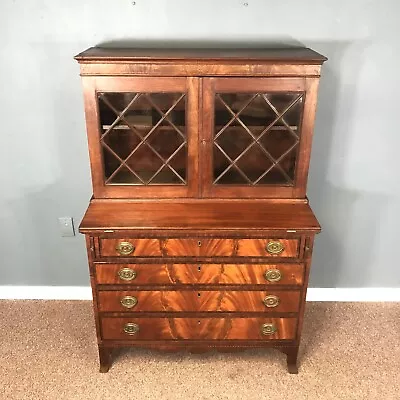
(254, 163)
(143, 137)
(256, 138)
(233, 141)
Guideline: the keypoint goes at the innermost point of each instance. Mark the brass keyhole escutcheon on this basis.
(127, 274)
(275, 247)
(271, 301)
(273, 275)
(131, 328)
(129, 301)
(199, 243)
(268, 329)
(125, 248)
(199, 268)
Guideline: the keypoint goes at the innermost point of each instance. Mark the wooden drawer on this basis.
(130, 248)
(268, 248)
(199, 301)
(131, 328)
(224, 274)
(199, 247)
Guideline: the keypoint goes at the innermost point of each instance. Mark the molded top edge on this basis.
(296, 55)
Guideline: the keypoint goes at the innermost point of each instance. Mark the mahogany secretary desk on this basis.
(199, 233)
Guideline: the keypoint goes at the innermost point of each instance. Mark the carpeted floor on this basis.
(349, 351)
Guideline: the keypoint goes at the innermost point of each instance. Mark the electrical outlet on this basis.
(66, 226)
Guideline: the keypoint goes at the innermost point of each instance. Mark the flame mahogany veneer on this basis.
(199, 301)
(207, 245)
(200, 328)
(199, 274)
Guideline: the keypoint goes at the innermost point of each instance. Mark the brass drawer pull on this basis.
(127, 274)
(275, 247)
(271, 301)
(125, 248)
(273, 275)
(131, 328)
(129, 301)
(268, 329)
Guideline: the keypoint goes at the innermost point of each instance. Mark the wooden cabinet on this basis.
(199, 233)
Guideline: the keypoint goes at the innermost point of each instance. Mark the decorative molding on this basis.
(85, 293)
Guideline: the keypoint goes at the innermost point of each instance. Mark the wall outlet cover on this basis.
(66, 225)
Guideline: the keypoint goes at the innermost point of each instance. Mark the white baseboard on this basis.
(45, 293)
(85, 293)
(353, 294)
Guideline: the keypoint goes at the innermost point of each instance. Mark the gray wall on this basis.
(354, 181)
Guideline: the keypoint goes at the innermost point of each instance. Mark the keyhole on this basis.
(199, 268)
(199, 243)
(198, 322)
(198, 294)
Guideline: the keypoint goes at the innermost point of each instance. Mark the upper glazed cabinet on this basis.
(164, 128)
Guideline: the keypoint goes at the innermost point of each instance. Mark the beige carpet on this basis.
(349, 351)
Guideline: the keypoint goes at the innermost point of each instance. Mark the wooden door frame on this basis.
(210, 86)
(189, 85)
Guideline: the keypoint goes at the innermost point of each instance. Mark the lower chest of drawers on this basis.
(198, 301)
(202, 292)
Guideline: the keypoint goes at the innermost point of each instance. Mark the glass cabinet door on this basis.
(143, 137)
(253, 134)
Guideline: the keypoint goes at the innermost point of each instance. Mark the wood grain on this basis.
(199, 247)
(198, 301)
(198, 328)
(174, 226)
(283, 55)
(93, 85)
(240, 216)
(142, 247)
(257, 247)
(200, 274)
(200, 62)
(199, 69)
(214, 85)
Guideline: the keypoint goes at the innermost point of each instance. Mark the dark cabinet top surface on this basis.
(294, 55)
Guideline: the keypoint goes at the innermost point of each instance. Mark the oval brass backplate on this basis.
(125, 248)
(273, 275)
(271, 301)
(129, 301)
(268, 329)
(131, 328)
(275, 247)
(127, 274)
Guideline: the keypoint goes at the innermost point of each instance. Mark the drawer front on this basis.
(268, 248)
(199, 301)
(199, 247)
(262, 329)
(224, 274)
(130, 248)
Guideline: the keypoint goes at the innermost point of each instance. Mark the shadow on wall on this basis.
(345, 250)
